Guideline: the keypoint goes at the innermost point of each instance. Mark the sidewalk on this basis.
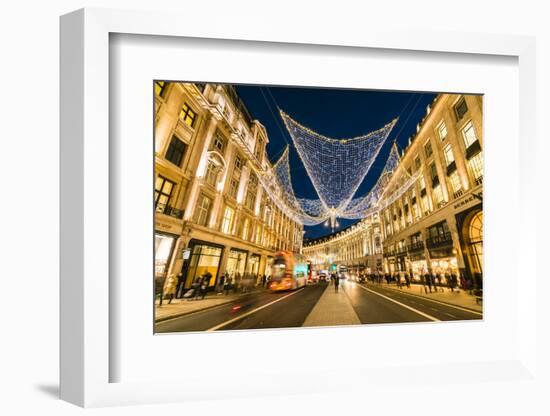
(180, 307)
(458, 297)
(332, 308)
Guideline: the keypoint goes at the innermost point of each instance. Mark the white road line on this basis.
(450, 314)
(244, 315)
(445, 304)
(425, 315)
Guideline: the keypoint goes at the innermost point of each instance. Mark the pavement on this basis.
(316, 305)
(255, 310)
(180, 307)
(457, 297)
(333, 308)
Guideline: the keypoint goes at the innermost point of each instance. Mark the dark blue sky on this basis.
(338, 114)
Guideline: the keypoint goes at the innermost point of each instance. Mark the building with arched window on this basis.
(433, 224)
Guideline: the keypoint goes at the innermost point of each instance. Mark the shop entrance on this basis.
(474, 242)
(253, 265)
(236, 263)
(204, 258)
(164, 244)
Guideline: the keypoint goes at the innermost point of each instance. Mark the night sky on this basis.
(338, 114)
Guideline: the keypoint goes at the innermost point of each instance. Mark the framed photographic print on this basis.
(242, 206)
(275, 230)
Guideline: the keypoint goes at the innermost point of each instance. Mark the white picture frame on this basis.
(86, 334)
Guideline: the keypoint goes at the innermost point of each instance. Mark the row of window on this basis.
(187, 114)
(399, 220)
(202, 216)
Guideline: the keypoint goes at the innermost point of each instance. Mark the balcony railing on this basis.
(401, 251)
(416, 246)
(170, 211)
(442, 240)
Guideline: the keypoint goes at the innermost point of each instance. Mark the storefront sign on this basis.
(472, 197)
(163, 226)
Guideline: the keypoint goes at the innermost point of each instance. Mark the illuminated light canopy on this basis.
(336, 167)
(363, 206)
(278, 180)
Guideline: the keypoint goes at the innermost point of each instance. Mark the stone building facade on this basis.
(212, 210)
(434, 224)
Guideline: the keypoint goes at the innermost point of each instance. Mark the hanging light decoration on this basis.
(336, 167)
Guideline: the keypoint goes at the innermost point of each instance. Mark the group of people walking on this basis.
(432, 282)
(173, 288)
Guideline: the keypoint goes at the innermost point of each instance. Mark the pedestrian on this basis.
(196, 287)
(407, 280)
(221, 283)
(428, 279)
(227, 285)
(159, 287)
(435, 281)
(170, 287)
(454, 281)
(237, 282)
(264, 280)
(181, 284)
(205, 283)
(423, 282)
(336, 281)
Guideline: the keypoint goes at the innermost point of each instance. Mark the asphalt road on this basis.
(373, 304)
(278, 310)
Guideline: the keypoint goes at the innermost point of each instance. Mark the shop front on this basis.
(253, 265)
(418, 266)
(164, 247)
(268, 264)
(204, 257)
(236, 263)
(445, 267)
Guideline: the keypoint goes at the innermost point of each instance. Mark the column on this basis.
(195, 184)
(451, 222)
(226, 252)
(243, 183)
(424, 232)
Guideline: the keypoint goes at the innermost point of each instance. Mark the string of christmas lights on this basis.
(336, 168)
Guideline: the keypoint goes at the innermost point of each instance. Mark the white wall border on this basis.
(84, 201)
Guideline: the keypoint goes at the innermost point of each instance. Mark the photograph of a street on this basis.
(290, 207)
(317, 305)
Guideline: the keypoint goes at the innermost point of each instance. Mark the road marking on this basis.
(450, 314)
(445, 304)
(425, 315)
(244, 315)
